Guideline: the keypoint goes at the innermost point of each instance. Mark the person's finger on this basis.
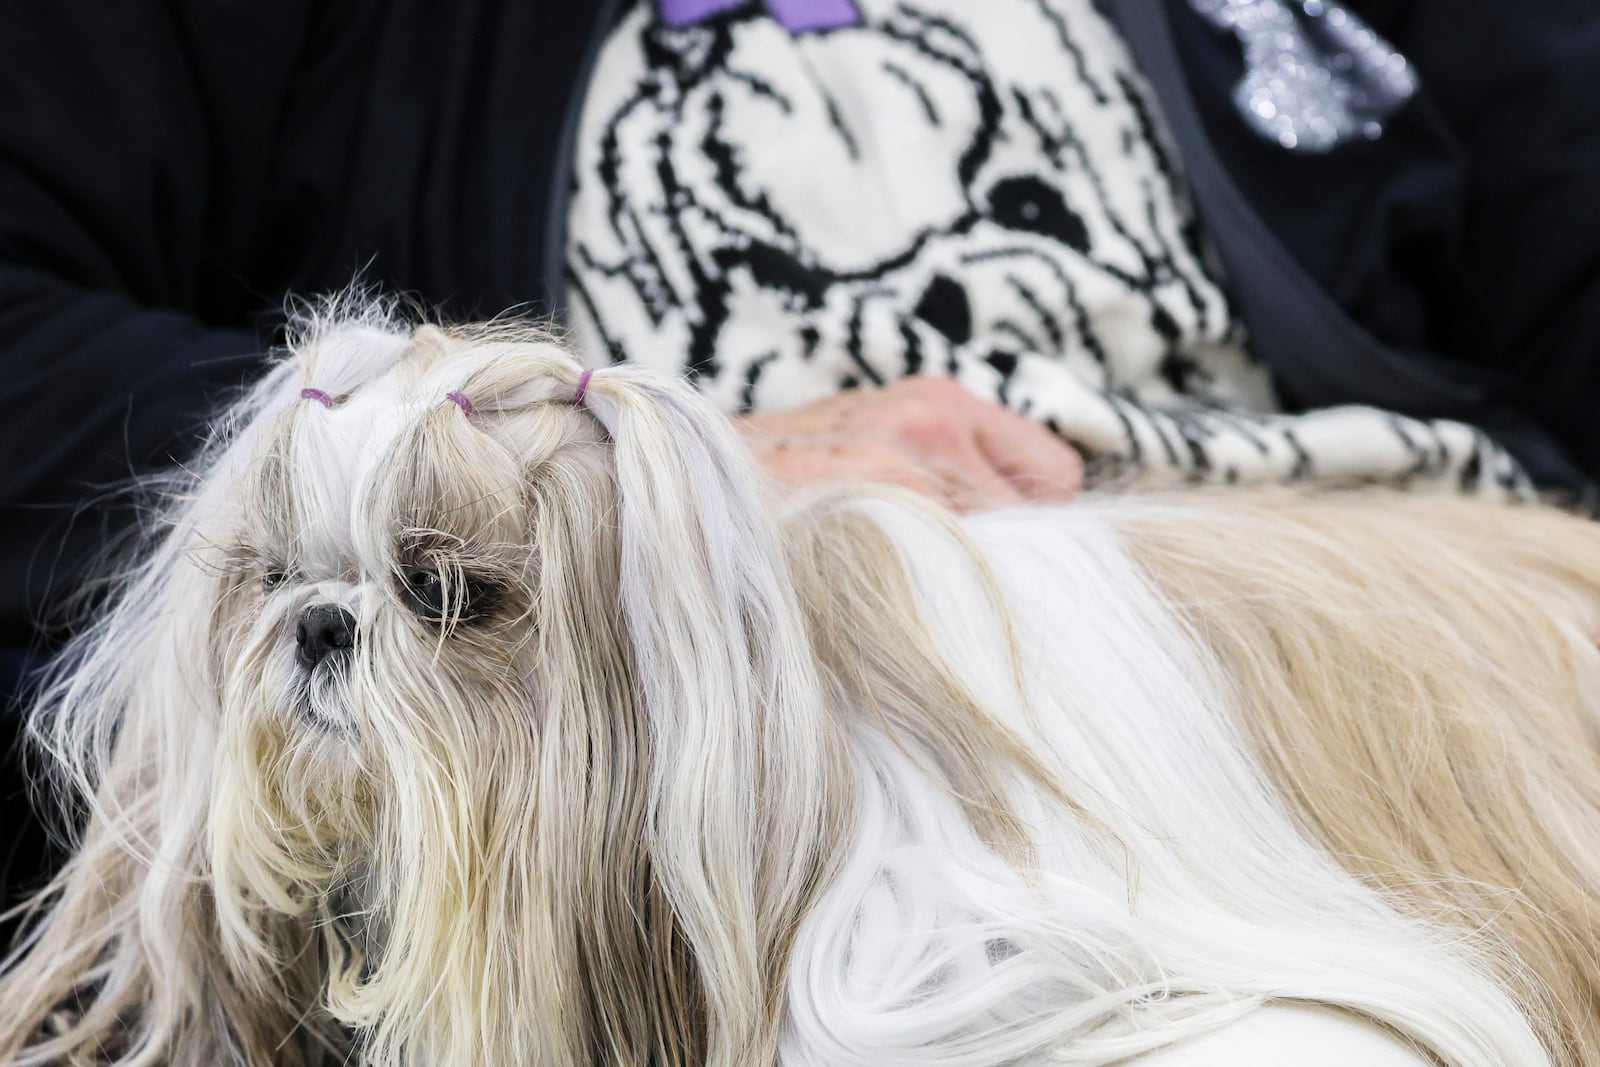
(966, 500)
(862, 460)
(974, 482)
(1037, 462)
(934, 422)
(886, 465)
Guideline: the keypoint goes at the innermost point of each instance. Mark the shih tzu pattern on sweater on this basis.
(788, 199)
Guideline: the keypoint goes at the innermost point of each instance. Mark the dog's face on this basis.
(380, 544)
(431, 756)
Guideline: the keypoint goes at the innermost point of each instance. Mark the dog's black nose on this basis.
(323, 628)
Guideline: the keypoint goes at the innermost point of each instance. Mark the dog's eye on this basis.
(272, 579)
(425, 590)
(464, 600)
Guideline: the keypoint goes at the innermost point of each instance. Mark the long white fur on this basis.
(1173, 898)
(1214, 904)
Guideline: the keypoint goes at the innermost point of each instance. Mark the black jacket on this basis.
(168, 171)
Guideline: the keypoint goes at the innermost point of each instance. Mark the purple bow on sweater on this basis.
(796, 16)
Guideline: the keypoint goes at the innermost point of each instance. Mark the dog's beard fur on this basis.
(677, 776)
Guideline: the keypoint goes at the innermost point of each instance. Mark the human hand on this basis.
(925, 433)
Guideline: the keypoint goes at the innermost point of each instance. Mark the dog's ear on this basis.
(741, 763)
(120, 959)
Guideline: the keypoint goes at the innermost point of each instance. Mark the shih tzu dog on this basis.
(473, 708)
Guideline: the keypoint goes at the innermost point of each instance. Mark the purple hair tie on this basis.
(583, 385)
(461, 400)
(318, 395)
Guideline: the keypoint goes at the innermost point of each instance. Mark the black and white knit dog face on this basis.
(880, 197)
(785, 204)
